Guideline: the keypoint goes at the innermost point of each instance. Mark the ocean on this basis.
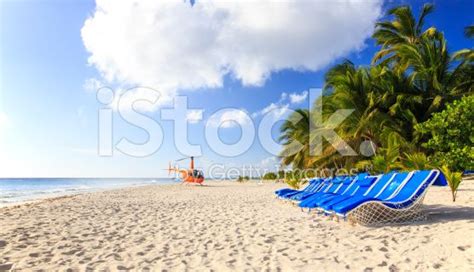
(19, 190)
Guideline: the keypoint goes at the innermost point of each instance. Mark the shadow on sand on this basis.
(439, 214)
(442, 213)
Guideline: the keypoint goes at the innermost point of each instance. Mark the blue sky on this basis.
(48, 118)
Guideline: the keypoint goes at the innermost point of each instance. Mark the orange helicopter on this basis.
(190, 175)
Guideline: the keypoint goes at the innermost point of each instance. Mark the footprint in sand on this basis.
(463, 248)
(393, 268)
(123, 268)
(5, 267)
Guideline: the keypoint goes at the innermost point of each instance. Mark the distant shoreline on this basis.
(25, 190)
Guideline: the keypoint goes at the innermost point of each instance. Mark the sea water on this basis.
(20, 190)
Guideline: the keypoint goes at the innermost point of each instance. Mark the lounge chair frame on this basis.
(374, 213)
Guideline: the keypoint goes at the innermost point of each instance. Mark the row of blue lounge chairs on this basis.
(388, 197)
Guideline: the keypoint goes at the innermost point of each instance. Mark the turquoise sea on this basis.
(18, 190)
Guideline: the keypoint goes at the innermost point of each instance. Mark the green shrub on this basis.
(294, 183)
(450, 135)
(294, 180)
(270, 176)
(454, 180)
(415, 161)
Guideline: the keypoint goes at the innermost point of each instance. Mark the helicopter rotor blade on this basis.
(181, 159)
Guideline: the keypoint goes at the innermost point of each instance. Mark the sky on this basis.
(243, 57)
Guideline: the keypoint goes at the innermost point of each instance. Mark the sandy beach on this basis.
(226, 226)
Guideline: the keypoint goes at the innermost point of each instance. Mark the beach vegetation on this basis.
(454, 179)
(416, 161)
(243, 178)
(270, 176)
(450, 135)
(295, 139)
(295, 179)
(413, 104)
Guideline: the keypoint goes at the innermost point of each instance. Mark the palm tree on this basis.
(419, 78)
(466, 54)
(411, 77)
(464, 80)
(386, 160)
(430, 62)
(295, 139)
(415, 161)
(405, 29)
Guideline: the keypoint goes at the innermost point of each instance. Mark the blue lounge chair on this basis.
(320, 187)
(343, 190)
(331, 184)
(313, 186)
(387, 187)
(364, 191)
(312, 183)
(360, 188)
(405, 204)
(338, 185)
(417, 186)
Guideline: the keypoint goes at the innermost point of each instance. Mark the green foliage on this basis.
(401, 104)
(270, 176)
(294, 183)
(412, 77)
(466, 55)
(415, 161)
(454, 179)
(294, 179)
(450, 135)
(243, 178)
(295, 138)
(386, 160)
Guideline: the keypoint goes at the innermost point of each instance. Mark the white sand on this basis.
(226, 226)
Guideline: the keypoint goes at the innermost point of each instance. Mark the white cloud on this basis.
(229, 118)
(282, 107)
(277, 109)
(171, 45)
(269, 163)
(140, 99)
(194, 116)
(296, 98)
(92, 85)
